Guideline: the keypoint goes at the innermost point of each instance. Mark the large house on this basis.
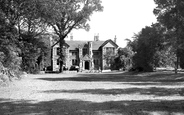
(88, 55)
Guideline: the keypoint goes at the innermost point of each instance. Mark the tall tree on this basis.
(65, 15)
(20, 29)
(31, 30)
(8, 35)
(145, 45)
(170, 13)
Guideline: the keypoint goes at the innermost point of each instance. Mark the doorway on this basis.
(86, 65)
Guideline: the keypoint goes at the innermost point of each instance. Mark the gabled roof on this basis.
(97, 44)
(86, 57)
(109, 40)
(73, 45)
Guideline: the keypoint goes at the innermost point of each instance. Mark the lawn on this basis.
(155, 93)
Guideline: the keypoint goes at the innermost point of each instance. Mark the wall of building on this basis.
(104, 50)
(55, 58)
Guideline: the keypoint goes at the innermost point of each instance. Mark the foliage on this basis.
(170, 14)
(63, 16)
(124, 58)
(20, 26)
(34, 52)
(9, 50)
(109, 57)
(165, 57)
(30, 30)
(145, 46)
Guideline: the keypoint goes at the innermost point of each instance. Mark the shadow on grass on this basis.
(74, 107)
(123, 77)
(144, 91)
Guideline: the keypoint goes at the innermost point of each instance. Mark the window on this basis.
(110, 49)
(58, 61)
(74, 53)
(84, 52)
(74, 62)
(96, 61)
(58, 51)
(64, 49)
(96, 53)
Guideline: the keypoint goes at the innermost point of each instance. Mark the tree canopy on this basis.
(170, 13)
(65, 15)
(20, 31)
(145, 45)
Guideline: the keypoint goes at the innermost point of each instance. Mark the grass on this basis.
(159, 84)
(123, 77)
(145, 91)
(74, 107)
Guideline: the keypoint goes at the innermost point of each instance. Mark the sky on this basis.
(120, 18)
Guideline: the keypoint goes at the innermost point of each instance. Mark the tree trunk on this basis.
(176, 65)
(61, 42)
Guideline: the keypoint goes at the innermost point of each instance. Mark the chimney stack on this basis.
(115, 39)
(96, 37)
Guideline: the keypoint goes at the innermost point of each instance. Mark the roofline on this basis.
(109, 40)
(58, 42)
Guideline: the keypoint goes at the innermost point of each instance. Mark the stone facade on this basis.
(88, 55)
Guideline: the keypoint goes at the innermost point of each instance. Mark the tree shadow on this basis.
(142, 91)
(76, 107)
(168, 83)
(123, 77)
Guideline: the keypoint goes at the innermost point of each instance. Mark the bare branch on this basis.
(55, 29)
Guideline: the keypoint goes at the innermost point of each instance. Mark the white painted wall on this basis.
(109, 45)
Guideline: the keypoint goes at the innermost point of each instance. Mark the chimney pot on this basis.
(115, 39)
(97, 37)
(94, 37)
